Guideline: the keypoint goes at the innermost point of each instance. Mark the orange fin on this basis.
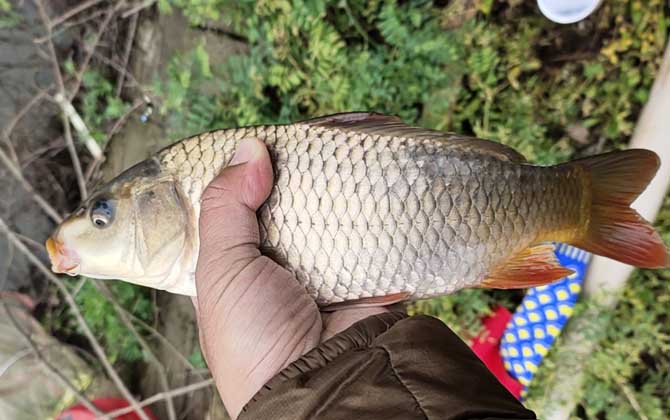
(368, 302)
(615, 230)
(534, 266)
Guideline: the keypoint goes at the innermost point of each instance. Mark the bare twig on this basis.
(160, 396)
(61, 99)
(126, 55)
(121, 312)
(9, 128)
(138, 8)
(74, 309)
(630, 396)
(14, 359)
(80, 127)
(75, 10)
(91, 169)
(130, 79)
(52, 50)
(61, 91)
(90, 49)
(49, 368)
(79, 285)
(166, 343)
(51, 149)
(12, 151)
(16, 172)
(76, 164)
(122, 120)
(39, 96)
(30, 242)
(69, 24)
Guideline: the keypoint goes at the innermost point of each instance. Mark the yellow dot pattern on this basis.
(539, 319)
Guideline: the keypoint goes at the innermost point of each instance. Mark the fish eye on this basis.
(102, 213)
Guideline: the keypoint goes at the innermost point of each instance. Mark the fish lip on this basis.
(63, 260)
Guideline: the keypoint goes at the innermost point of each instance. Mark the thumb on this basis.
(246, 180)
(228, 226)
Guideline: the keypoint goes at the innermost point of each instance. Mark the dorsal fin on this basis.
(385, 125)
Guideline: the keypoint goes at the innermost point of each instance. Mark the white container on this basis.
(567, 11)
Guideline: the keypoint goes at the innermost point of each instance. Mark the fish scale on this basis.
(356, 215)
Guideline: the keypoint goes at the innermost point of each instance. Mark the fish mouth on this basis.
(63, 260)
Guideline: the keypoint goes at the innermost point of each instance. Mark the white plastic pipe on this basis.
(606, 278)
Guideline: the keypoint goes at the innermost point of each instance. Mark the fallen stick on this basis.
(160, 396)
(79, 126)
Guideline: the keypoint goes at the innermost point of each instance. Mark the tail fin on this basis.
(615, 230)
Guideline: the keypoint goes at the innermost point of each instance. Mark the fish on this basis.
(366, 210)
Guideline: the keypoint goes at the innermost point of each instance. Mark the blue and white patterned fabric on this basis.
(542, 314)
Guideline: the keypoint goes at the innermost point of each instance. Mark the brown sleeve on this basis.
(387, 367)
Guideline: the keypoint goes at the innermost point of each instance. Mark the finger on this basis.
(229, 233)
(246, 180)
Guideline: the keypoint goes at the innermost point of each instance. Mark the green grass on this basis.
(119, 344)
(499, 71)
(8, 17)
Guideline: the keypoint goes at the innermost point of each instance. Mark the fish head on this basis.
(138, 228)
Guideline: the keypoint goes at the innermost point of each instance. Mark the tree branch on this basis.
(16, 172)
(74, 309)
(75, 10)
(126, 55)
(87, 59)
(121, 312)
(61, 90)
(161, 396)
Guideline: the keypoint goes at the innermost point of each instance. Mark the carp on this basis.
(368, 210)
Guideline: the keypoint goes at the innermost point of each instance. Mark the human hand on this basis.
(254, 316)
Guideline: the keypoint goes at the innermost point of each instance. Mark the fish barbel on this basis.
(366, 209)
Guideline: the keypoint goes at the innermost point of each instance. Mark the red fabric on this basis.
(487, 347)
(106, 405)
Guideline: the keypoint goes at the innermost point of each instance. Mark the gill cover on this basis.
(162, 239)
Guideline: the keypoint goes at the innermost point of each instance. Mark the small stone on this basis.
(578, 133)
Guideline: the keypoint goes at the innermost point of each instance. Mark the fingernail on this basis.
(247, 150)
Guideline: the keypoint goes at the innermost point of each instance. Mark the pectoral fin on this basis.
(534, 266)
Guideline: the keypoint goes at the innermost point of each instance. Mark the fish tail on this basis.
(614, 229)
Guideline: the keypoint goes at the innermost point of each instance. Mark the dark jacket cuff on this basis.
(387, 366)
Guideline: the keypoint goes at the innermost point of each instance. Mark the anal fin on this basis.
(368, 302)
(534, 266)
